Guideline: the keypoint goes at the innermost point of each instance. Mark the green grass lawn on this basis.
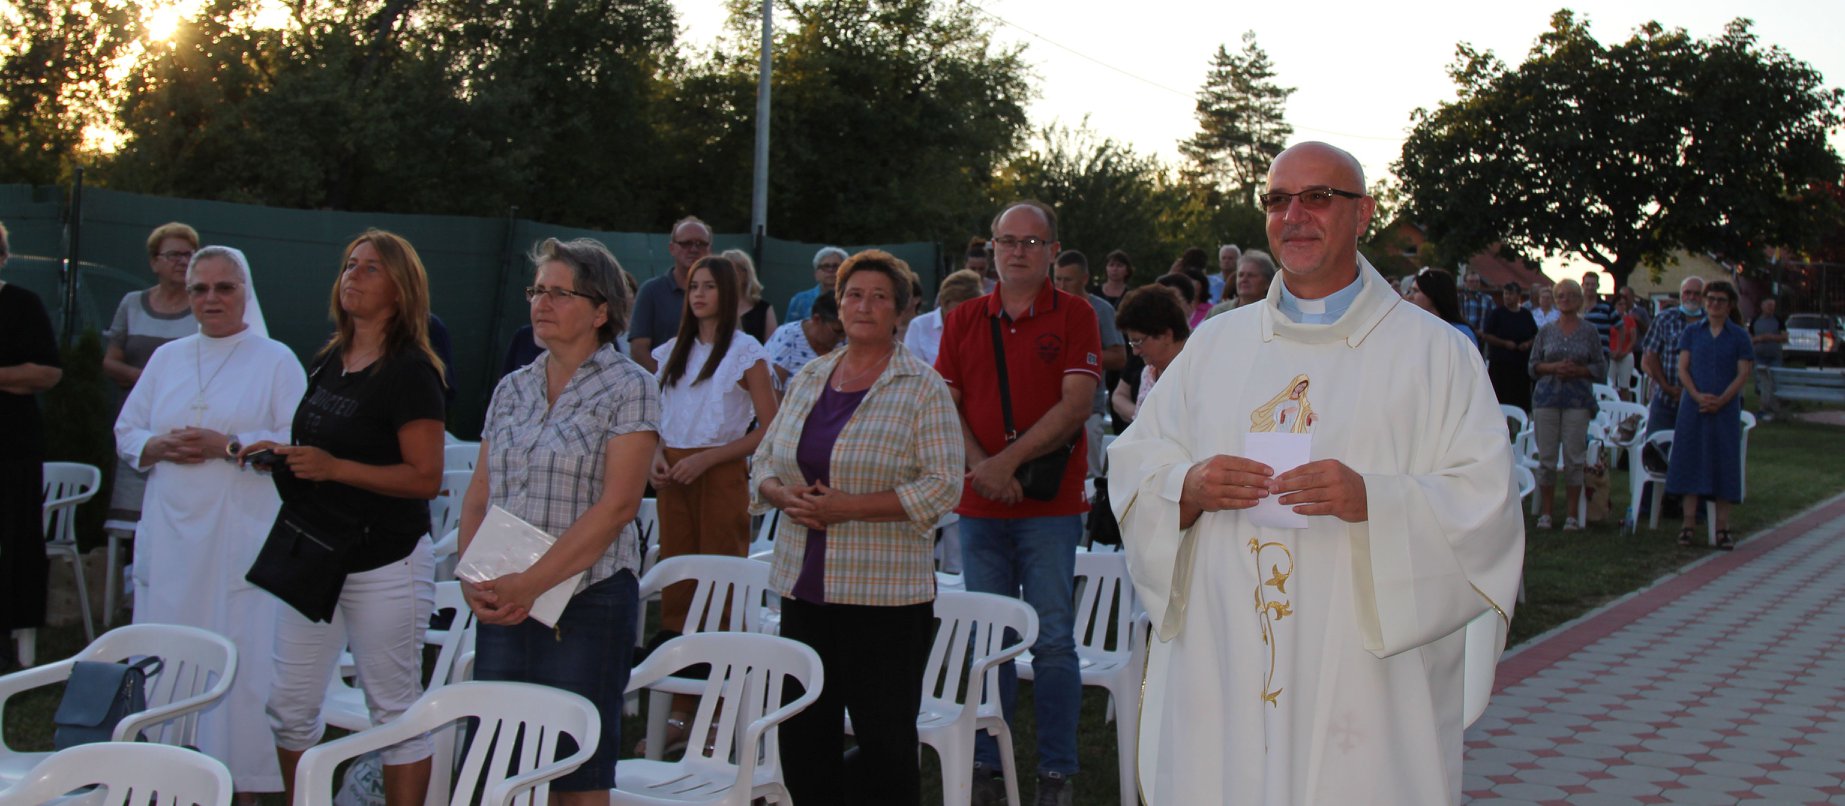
(1792, 465)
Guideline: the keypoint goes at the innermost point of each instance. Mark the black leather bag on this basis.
(1041, 477)
(303, 564)
(97, 697)
(1104, 530)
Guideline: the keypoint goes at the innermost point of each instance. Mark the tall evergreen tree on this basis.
(1242, 122)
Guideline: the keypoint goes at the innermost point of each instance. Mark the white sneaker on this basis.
(1543, 522)
(1570, 525)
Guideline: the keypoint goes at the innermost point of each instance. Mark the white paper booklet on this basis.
(1282, 453)
(505, 544)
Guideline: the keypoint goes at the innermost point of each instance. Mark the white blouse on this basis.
(716, 411)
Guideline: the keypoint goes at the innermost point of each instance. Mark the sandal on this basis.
(1724, 541)
(1684, 536)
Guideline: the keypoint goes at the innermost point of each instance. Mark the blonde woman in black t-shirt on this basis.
(367, 458)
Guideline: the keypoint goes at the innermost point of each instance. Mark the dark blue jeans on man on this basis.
(1033, 559)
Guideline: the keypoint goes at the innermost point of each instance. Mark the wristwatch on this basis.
(231, 448)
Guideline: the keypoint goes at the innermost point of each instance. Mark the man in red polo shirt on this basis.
(1011, 543)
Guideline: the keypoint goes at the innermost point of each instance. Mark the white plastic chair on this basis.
(729, 596)
(344, 706)
(647, 525)
(119, 533)
(740, 706)
(1522, 433)
(67, 486)
(1638, 477)
(1605, 393)
(1610, 415)
(128, 774)
(523, 714)
(1742, 487)
(961, 696)
(460, 455)
(195, 673)
(763, 547)
(1106, 606)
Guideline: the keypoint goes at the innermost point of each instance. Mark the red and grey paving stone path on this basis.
(1723, 684)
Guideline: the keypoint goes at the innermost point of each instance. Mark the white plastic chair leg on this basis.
(83, 596)
(25, 646)
(119, 532)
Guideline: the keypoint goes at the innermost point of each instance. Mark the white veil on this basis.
(252, 311)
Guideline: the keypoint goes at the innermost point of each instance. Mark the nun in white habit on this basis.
(199, 400)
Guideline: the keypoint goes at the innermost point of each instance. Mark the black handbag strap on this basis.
(1005, 386)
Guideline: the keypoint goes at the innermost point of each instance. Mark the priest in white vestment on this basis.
(199, 399)
(1318, 661)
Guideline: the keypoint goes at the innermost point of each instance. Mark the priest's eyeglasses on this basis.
(1312, 198)
(558, 295)
(224, 289)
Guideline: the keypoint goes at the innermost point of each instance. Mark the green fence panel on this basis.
(477, 266)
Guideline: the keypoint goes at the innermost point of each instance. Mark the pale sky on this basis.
(1359, 68)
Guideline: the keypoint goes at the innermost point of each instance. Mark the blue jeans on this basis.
(1038, 556)
(589, 652)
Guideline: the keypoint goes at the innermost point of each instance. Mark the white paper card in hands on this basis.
(505, 544)
(1282, 453)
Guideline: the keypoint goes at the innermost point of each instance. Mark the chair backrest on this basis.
(67, 485)
(1613, 412)
(460, 455)
(974, 633)
(1105, 605)
(130, 774)
(1660, 441)
(765, 536)
(514, 744)
(196, 670)
(461, 632)
(1604, 392)
(730, 591)
(741, 701)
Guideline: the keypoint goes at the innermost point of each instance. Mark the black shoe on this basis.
(1054, 790)
(989, 787)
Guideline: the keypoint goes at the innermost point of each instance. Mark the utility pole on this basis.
(759, 197)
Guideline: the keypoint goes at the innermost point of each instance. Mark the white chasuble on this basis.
(202, 524)
(1319, 665)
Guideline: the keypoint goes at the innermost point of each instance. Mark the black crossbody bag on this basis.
(1040, 477)
(303, 562)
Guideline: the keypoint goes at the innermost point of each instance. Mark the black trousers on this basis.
(874, 659)
(23, 567)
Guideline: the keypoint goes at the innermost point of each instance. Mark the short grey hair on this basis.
(1261, 260)
(596, 272)
(829, 251)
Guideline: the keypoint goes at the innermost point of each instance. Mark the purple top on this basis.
(815, 456)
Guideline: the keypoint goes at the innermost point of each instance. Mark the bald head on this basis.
(1316, 238)
(1329, 154)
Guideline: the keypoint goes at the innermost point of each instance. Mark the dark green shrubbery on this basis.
(80, 427)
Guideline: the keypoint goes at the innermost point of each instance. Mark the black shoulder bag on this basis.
(303, 562)
(97, 697)
(1042, 476)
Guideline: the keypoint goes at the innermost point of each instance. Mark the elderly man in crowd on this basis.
(1071, 276)
(1254, 270)
(826, 268)
(1017, 540)
(657, 306)
(1475, 302)
(1225, 276)
(1768, 332)
(1335, 457)
(1659, 359)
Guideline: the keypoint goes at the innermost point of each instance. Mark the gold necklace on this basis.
(876, 365)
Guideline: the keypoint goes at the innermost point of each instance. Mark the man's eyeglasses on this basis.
(223, 289)
(558, 295)
(175, 257)
(1010, 243)
(693, 244)
(1311, 198)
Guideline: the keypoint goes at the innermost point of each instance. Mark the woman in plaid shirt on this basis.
(864, 459)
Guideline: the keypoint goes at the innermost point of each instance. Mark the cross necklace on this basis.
(198, 355)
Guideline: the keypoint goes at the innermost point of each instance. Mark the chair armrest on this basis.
(314, 775)
(502, 793)
(746, 753)
(27, 679)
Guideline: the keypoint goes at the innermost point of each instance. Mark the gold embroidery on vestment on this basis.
(1272, 610)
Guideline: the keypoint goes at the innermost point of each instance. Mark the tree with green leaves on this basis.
(890, 119)
(1621, 154)
(1106, 195)
(55, 87)
(1242, 122)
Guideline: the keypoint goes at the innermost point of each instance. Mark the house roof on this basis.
(1497, 271)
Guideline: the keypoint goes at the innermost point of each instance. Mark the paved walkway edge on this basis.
(1558, 643)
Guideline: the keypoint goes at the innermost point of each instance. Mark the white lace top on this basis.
(715, 411)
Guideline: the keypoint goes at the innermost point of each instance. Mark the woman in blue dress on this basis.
(1713, 361)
